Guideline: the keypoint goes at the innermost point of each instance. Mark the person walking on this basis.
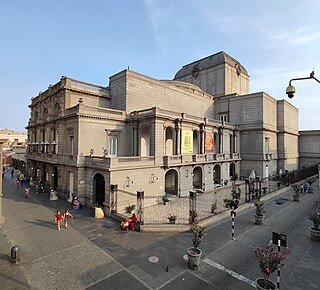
(27, 192)
(58, 219)
(12, 173)
(67, 214)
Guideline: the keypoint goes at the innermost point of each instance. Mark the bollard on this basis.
(15, 253)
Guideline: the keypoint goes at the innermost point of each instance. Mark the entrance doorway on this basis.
(171, 182)
(99, 189)
(197, 178)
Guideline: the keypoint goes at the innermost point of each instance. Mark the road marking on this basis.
(230, 272)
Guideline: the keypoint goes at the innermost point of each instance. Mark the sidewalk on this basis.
(94, 254)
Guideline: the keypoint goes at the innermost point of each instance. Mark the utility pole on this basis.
(1, 167)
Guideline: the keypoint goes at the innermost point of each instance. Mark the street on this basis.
(94, 254)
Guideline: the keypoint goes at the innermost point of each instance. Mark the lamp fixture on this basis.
(290, 91)
(129, 181)
(105, 152)
(91, 152)
(153, 178)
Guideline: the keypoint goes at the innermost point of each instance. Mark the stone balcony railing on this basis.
(130, 161)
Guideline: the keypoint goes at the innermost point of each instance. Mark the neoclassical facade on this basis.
(197, 131)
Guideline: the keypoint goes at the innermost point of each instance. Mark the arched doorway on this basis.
(217, 174)
(169, 144)
(145, 142)
(232, 171)
(99, 189)
(171, 182)
(197, 178)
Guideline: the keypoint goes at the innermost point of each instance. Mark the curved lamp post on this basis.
(290, 92)
(291, 89)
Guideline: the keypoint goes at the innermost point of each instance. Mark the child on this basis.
(27, 192)
(58, 218)
(67, 214)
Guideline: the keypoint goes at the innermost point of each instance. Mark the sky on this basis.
(42, 40)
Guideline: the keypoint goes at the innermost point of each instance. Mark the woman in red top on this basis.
(58, 218)
(133, 221)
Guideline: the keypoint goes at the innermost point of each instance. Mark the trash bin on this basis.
(15, 253)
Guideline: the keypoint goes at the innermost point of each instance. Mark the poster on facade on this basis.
(187, 142)
(209, 142)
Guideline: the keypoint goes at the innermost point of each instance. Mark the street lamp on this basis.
(290, 91)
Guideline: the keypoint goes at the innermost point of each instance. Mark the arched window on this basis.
(169, 142)
(145, 142)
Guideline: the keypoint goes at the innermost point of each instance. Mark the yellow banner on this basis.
(187, 142)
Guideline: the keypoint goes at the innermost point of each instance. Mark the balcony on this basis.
(120, 162)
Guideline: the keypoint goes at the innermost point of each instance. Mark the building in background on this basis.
(198, 131)
(14, 148)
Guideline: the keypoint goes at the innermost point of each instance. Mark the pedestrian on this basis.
(18, 182)
(132, 221)
(36, 188)
(12, 173)
(58, 219)
(27, 192)
(67, 214)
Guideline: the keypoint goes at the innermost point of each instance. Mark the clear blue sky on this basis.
(42, 40)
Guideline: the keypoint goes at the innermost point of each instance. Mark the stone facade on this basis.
(309, 147)
(140, 133)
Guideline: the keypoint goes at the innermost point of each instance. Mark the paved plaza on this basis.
(94, 254)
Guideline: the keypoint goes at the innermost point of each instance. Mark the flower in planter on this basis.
(130, 208)
(198, 233)
(259, 208)
(172, 218)
(213, 207)
(314, 216)
(269, 259)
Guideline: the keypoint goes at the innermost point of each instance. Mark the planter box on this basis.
(194, 257)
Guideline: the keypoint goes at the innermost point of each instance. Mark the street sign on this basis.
(281, 237)
(233, 212)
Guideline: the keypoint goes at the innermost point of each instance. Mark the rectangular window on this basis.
(267, 145)
(113, 146)
(223, 117)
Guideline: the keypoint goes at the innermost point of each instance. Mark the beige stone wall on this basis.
(142, 92)
(309, 147)
(288, 154)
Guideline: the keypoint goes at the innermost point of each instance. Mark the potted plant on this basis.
(193, 215)
(214, 208)
(226, 182)
(269, 261)
(172, 218)
(130, 208)
(259, 212)
(297, 189)
(310, 181)
(226, 202)
(194, 253)
(314, 216)
(165, 200)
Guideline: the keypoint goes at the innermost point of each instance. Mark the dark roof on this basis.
(207, 62)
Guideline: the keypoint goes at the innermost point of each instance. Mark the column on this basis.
(202, 138)
(178, 136)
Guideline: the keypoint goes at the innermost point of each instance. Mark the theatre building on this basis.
(197, 131)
